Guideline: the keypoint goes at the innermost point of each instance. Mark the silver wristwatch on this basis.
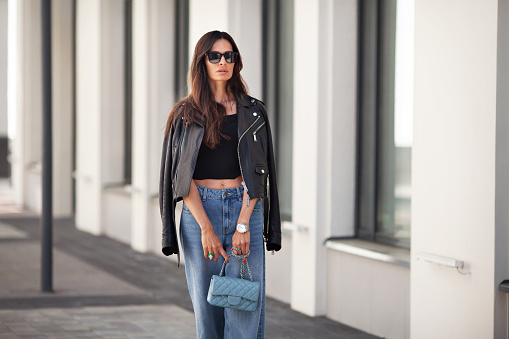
(242, 228)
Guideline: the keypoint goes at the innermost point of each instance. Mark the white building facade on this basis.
(391, 125)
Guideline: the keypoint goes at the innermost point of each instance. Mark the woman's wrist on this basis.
(207, 227)
(242, 227)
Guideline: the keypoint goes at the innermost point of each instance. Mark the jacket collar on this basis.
(248, 111)
(247, 101)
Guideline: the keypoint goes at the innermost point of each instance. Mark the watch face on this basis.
(241, 228)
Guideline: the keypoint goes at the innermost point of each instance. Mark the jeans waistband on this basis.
(225, 193)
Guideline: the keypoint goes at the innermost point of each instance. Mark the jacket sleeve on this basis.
(272, 217)
(166, 201)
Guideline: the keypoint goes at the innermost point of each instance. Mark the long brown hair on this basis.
(200, 104)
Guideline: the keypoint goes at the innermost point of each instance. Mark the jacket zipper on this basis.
(181, 148)
(240, 163)
(257, 129)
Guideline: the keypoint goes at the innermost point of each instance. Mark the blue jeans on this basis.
(223, 209)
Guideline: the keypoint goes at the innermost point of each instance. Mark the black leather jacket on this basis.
(256, 157)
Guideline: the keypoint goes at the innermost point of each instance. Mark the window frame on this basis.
(374, 86)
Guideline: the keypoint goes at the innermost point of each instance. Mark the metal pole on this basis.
(47, 194)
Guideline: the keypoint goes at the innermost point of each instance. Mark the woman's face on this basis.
(222, 71)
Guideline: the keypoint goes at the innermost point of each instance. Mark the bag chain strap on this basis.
(242, 266)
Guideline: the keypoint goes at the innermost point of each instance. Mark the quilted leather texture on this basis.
(233, 293)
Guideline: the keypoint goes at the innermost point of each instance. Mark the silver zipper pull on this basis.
(247, 195)
(254, 136)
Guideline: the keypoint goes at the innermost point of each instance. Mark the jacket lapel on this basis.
(247, 113)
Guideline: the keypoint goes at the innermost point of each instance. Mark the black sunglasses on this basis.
(215, 57)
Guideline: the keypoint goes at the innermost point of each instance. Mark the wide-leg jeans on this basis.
(223, 209)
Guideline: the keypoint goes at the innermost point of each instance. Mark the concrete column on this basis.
(63, 96)
(453, 168)
(245, 26)
(242, 19)
(25, 93)
(88, 115)
(14, 51)
(25, 100)
(4, 169)
(324, 142)
(312, 143)
(153, 88)
(205, 16)
(99, 107)
(141, 113)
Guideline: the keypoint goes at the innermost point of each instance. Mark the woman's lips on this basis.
(222, 71)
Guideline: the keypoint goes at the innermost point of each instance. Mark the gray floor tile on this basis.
(104, 289)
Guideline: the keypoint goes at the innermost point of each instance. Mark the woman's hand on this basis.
(211, 244)
(241, 240)
(209, 240)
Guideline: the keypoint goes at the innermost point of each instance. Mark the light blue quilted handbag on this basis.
(240, 294)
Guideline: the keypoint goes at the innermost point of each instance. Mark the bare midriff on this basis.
(219, 184)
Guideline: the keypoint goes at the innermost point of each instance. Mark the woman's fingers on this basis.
(207, 254)
(223, 253)
(245, 248)
(217, 252)
(212, 245)
(241, 241)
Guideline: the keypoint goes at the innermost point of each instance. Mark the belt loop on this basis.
(239, 192)
(204, 197)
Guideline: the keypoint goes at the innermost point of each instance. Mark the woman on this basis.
(217, 158)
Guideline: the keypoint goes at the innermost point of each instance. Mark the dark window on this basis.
(74, 106)
(278, 90)
(128, 91)
(384, 177)
(181, 47)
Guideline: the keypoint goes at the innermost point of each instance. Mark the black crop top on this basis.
(221, 162)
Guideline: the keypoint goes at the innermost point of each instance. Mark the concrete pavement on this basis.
(104, 289)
